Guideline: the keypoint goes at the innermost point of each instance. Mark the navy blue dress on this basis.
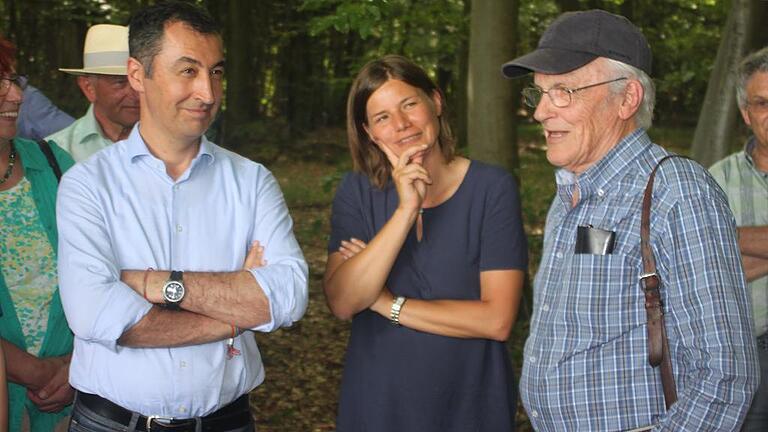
(399, 379)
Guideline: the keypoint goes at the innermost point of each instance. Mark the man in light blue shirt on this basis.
(155, 349)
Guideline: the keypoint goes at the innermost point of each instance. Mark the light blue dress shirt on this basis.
(120, 210)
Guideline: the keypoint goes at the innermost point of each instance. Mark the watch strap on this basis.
(394, 312)
(176, 276)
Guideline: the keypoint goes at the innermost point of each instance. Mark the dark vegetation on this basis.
(289, 65)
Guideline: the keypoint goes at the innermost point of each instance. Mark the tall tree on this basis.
(492, 134)
(719, 113)
(238, 57)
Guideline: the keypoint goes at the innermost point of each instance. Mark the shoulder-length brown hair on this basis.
(366, 156)
(7, 55)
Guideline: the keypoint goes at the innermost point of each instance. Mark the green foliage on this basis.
(428, 32)
(683, 35)
(347, 17)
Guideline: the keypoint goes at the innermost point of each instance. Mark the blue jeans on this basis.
(85, 420)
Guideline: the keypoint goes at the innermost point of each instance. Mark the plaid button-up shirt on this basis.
(586, 359)
(747, 191)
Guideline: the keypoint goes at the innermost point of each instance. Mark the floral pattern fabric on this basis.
(27, 261)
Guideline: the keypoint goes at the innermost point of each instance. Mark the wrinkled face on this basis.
(181, 98)
(400, 116)
(756, 113)
(582, 133)
(114, 99)
(9, 109)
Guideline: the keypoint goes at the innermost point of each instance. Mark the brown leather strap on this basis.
(658, 347)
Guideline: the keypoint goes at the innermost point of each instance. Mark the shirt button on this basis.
(183, 409)
(183, 364)
(179, 228)
(559, 254)
(175, 187)
(545, 307)
(532, 359)
(534, 413)
(600, 192)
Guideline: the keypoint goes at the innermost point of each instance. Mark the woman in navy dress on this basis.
(427, 257)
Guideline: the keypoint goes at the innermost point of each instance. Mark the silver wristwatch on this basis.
(394, 312)
(173, 290)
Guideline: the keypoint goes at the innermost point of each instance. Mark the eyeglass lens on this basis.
(5, 83)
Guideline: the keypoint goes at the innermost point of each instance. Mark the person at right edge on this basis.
(744, 178)
(427, 256)
(586, 361)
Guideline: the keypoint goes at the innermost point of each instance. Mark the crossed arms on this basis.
(753, 244)
(98, 247)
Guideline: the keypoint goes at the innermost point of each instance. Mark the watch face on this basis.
(173, 291)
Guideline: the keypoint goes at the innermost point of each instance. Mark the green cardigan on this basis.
(58, 337)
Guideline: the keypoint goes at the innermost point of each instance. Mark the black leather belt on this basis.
(233, 416)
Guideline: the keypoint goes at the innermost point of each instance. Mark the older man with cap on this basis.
(114, 104)
(588, 359)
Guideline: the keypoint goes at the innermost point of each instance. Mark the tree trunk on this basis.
(462, 86)
(719, 113)
(238, 57)
(491, 103)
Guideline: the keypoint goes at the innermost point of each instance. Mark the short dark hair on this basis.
(7, 55)
(147, 26)
(366, 156)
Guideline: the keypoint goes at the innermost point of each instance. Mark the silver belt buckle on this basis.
(152, 418)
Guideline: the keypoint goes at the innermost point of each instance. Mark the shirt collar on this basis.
(136, 148)
(749, 147)
(614, 163)
(90, 126)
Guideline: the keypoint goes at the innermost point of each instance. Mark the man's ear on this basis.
(745, 116)
(87, 86)
(633, 97)
(135, 74)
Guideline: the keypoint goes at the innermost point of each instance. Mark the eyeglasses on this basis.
(6, 81)
(560, 96)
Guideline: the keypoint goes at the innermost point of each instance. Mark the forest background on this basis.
(290, 64)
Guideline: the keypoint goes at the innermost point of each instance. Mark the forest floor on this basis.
(304, 363)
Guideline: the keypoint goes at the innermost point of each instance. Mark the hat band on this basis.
(104, 58)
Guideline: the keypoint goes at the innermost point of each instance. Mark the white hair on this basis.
(644, 115)
(752, 64)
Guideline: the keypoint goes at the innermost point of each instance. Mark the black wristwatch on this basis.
(173, 290)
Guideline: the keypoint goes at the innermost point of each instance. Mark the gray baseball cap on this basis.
(576, 38)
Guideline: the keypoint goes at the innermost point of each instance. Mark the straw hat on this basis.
(105, 51)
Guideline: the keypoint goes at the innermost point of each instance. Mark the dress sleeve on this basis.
(347, 213)
(503, 242)
(99, 307)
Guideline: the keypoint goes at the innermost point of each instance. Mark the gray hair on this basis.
(644, 115)
(753, 63)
